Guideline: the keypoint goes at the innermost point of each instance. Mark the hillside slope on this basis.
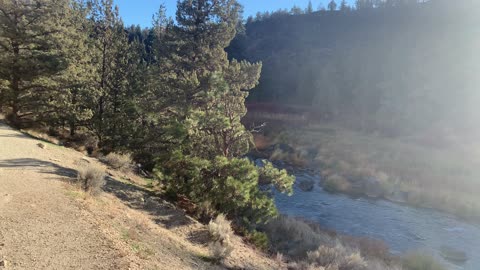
(47, 223)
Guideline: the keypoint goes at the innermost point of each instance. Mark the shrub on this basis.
(336, 183)
(259, 240)
(294, 238)
(300, 242)
(337, 257)
(91, 178)
(118, 161)
(222, 235)
(326, 256)
(219, 251)
(229, 185)
(369, 248)
(220, 229)
(421, 261)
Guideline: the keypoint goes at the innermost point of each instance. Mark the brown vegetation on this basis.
(421, 261)
(222, 236)
(118, 161)
(91, 178)
(395, 168)
(308, 246)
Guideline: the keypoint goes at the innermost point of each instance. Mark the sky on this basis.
(140, 11)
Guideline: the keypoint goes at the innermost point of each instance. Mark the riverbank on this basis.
(402, 170)
(403, 229)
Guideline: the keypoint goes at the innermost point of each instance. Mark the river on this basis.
(403, 228)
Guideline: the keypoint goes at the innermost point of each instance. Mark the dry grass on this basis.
(309, 247)
(399, 169)
(337, 257)
(41, 135)
(118, 161)
(91, 178)
(295, 238)
(222, 236)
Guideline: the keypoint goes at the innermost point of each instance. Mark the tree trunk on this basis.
(15, 85)
(72, 127)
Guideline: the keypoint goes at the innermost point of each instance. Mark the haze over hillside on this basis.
(397, 69)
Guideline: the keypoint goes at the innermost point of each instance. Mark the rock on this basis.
(306, 185)
(85, 159)
(41, 145)
(453, 255)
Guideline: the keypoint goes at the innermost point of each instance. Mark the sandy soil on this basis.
(48, 223)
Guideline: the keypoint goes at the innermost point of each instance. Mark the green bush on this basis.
(336, 183)
(231, 186)
(421, 261)
(259, 240)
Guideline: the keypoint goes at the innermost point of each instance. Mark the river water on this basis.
(403, 228)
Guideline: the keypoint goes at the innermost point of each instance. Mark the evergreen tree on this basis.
(210, 138)
(321, 7)
(344, 6)
(112, 67)
(309, 8)
(77, 93)
(31, 55)
(296, 10)
(332, 6)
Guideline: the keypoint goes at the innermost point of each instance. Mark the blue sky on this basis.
(141, 11)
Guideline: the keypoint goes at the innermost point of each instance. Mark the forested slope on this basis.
(398, 68)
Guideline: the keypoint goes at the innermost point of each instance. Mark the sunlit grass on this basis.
(443, 177)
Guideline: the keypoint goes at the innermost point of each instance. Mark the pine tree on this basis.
(332, 6)
(296, 10)
(112, 67)
(344, 6)
(309, 8)
(31, 55)
(205, 159)
(77, 93)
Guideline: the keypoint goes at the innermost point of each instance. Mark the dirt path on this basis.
(47, 223)
(40, 227)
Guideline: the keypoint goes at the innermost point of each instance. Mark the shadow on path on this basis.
(41, 166)
(135, 197)
(142, 199)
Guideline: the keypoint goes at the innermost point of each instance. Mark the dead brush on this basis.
(91, 178)
(222, 236)
(337, 257)
(118, 161)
